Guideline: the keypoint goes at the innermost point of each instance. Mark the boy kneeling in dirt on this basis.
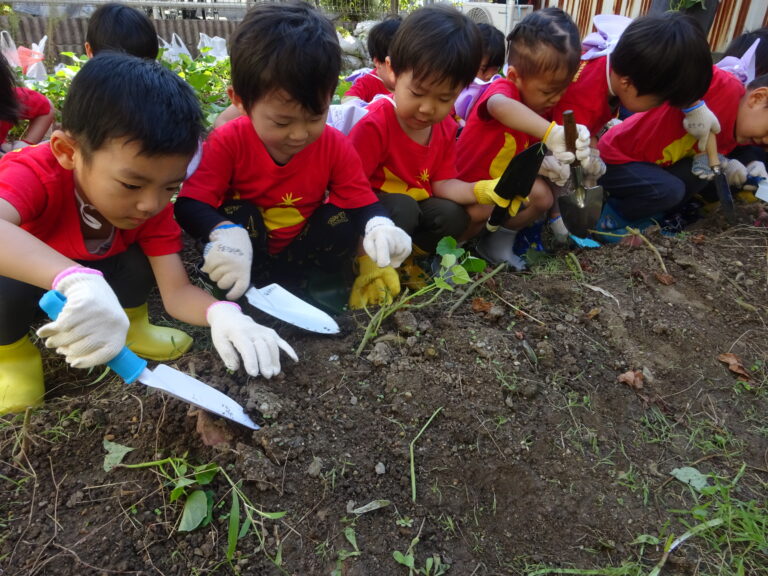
(277, 191)
(89, 215)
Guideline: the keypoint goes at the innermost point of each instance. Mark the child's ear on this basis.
(758, 98)
(64, 148)
(391, 76)
(237, 102)
(88, 50)
(512, 75)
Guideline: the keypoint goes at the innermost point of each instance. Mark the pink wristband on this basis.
(236, 305)
(73, 270)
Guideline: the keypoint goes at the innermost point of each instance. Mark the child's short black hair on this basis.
(9, 105)
(547, 28)
(759, 82)
(289, 46)
(120, 28)
(116, 95)
(380, 37)
(493, 44)
(742, 43)
(437, 42)
(666, 55)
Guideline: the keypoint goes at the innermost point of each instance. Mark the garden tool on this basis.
(721, 181)
(517, 180)
(582, 207)
(131, 368)
(281, 304)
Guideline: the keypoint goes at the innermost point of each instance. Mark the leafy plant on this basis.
(433, 565)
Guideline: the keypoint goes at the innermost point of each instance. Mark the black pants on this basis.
(129, 274)
(426, 221)
(327, 242)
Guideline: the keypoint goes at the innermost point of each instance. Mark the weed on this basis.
(433, 566)
(343, 554)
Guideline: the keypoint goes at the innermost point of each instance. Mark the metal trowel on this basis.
(721, 180)
(582, 207)
(130, 368)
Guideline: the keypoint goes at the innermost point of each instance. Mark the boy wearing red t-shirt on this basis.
(649, 156)
(19, 103)
(89, 215)
(278, 192)
(375, 82)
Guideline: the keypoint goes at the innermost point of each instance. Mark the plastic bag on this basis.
(217, 45)
(173, 50)
(32, 60)
(8, 49)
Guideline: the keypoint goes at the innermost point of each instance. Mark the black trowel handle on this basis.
(569, 123)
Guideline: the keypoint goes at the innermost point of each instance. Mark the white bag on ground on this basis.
(217, 45)
(173, 50)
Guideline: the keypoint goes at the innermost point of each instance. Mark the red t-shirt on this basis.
(236, 165)
(658, 135)
(395, 163)
(31, 105)
(43, 193)
(485, 145)
(367, 86)
(587, 96)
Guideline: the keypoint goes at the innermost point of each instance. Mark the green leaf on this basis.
(349, 534)
(372, 505)
(115, 454)
(234, 526)
(195, 511)
(442, 284)
(271, 515)
(472, 264)
(448, 260)
(400, 558)
(459, 275)
(692, 477)
(446, 245)
(205, 474)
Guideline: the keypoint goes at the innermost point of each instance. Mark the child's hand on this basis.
(92, 326)
(227, 259)
(485, 192)
(554, 139)
(374, 285)
(699, 121)
(385, 243)
(756, 171)
(735, 172)
(593, 165)
(555, 171)
(235, 333)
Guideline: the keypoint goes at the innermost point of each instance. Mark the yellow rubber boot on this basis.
(21, 376)
(411, 273)
(158, 343)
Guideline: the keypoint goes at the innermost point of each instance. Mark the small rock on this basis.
(406, 322)
(380, 355)
(648, 375)
(315, 467)
(351, 505)
(94, 417)
(353, 400)
(380, 468)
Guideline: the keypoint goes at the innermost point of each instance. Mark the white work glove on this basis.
(735, 172)
(700, 166)
(699, 121)
(227, 259)
(92, 327)
(756, 170)
(593, 165)
(555, 171)
(233, 332)
(555, 141)
(385, 243)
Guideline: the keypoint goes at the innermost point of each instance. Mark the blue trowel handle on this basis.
(126, 364)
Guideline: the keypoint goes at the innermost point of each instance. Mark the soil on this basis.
(537, 453)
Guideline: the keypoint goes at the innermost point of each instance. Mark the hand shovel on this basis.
(130, 368)
(278, 302)
(517, 180)
(721, 181)
(581, 209)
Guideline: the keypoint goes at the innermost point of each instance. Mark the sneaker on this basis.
(497, 247)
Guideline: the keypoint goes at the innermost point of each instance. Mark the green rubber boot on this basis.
(158, 343)
(21, 376)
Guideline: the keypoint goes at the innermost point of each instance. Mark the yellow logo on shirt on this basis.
(507, 152)
(677, 150)
(284, 215)
(394, 185)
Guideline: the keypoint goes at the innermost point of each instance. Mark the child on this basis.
(120, 28)
(741, 44)
(368, 85)
(89, 215)
(407, 143)
(258, 198)
(493, 59)
(649, 156)
(18, 103)
(543, 54)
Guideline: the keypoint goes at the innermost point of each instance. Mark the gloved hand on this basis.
(554, 139)
(756, 171)
(593, 165)
(700, 166)
(699, 121)
(554, 170)
(233, 332)
(385, 243)
(92, 327)
(735, 172)
(374, 285)
(486, 194)
(227, 259)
